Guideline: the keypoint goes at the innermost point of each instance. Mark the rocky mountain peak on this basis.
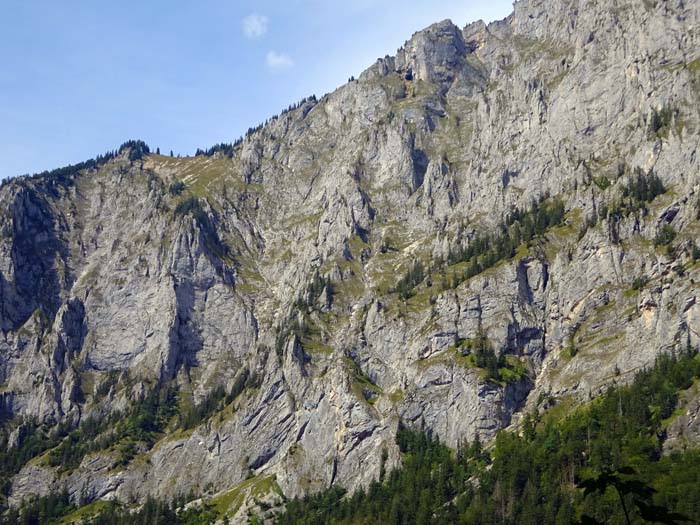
(433, 54)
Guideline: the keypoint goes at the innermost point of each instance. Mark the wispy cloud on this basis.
(255, 25)
(278, 61)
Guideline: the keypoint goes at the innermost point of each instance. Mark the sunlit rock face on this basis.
(275, 272)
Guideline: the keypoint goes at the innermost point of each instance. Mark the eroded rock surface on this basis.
(281, 261)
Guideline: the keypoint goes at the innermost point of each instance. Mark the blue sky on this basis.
(80, 77)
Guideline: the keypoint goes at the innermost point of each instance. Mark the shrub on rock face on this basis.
(644, 187)
(485, 357)
(176, 188)
(413, 278)
(640, 282)
(694, 251)
(190, 206)
(660, 120)
(665, 236)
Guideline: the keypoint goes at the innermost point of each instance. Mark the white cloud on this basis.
(278, 61)
(255, 25)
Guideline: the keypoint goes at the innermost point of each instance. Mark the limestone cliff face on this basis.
(280, 262)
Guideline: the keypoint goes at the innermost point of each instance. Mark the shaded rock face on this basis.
(30, 274)
(282, 262)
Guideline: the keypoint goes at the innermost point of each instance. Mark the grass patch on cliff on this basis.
(82, 514)
(478, 353)
(694, 66)
(352, 287)
(229, 502)
(570, 226)
(249, 279)
(316, 347)
(397, 396)
(201, 173)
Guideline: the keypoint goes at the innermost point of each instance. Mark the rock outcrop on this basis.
(282, 263)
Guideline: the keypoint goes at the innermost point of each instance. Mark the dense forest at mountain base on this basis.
(557, 470)
(602, 463)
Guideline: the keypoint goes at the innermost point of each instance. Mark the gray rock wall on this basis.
(108, 271)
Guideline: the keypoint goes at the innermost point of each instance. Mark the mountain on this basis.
(496, 220)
